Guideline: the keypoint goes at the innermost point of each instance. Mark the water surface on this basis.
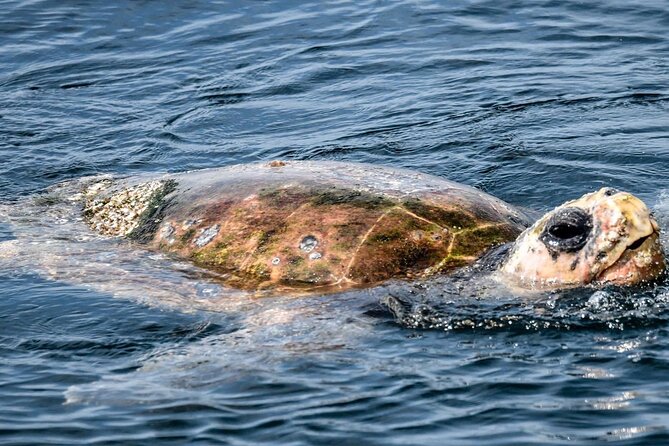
(534, 102)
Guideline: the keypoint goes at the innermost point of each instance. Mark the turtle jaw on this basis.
(642, 261)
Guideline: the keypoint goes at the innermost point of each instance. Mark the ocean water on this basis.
(535, 102)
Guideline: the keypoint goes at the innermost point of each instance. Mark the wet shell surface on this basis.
(306, 225)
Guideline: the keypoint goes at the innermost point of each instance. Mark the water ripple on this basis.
(535, 102)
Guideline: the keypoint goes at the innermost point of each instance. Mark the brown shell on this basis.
(315, 226)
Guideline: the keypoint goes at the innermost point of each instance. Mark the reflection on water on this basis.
(463, 343)
(535, 103)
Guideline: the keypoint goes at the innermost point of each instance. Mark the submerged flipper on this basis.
(10, 253)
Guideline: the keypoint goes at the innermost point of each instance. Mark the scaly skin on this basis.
(619, 220)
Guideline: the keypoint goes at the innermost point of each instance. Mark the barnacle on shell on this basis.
(118, 214)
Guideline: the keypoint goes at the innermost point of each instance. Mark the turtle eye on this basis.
(567, 230)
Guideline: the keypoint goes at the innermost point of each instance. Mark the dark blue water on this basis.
(535, 102)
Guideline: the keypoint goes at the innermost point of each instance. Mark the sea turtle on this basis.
(322, 226)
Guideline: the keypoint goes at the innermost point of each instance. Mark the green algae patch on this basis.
(385, 236)
(338, 196)
(258, 271)
(151, 218)
(475, 242)
(300, 274)
(217, 255)
(448, 218)
(283, 197)
(187, 235)
(264, 239)
(400, 245)
(295, 261)
(448, 264)
(347, 236)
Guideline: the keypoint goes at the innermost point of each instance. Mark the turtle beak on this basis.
(642, 260)
(626, 224)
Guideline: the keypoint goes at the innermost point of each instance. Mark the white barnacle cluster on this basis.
(119, 213)
(207, 235)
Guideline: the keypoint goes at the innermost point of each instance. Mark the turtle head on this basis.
(603, 237)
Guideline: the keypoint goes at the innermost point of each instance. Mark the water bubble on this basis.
(599, 299)
(207, 290)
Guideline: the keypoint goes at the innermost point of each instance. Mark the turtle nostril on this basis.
(609, 191)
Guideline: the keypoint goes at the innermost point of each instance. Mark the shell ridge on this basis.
(418, 217)
(362, 242)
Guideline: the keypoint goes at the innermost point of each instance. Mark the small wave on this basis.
(610, 308)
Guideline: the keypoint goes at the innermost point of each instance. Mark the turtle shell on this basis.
(308, 225)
